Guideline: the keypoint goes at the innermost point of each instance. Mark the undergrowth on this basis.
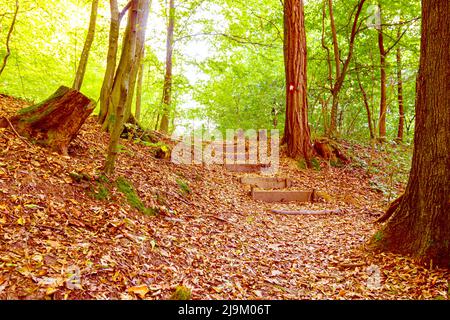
(126, 187)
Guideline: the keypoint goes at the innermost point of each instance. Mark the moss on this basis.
(315, 163)
(133, 198)
(378, 236)
(184, 188)
(101, 194)
(181, 293)
(301, 164)
(337, 163)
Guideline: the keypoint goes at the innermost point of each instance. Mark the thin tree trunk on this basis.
(137, 113)
(383, 95)
(330, 71)
(401, 108)
(335, 101)
(339, 80)
(127, 61)
(297, 132)
(122, 69)
(79, 76)
(108, 79)
(8, 38)
(420, 225)
(167, 90)
(367, 106)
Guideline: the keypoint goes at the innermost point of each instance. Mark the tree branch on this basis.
(8, 38)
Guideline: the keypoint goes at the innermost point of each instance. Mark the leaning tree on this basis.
(418, 223)
(296, 133)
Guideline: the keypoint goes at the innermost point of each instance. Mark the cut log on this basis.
(55, 122)
(308, 212)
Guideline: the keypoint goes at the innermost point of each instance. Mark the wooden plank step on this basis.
(267, 182)
(282, 196)
(248, 168)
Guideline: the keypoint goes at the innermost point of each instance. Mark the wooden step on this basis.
(267, 182)
(282, 196)
(247, 168)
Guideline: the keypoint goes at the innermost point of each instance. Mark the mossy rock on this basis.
(181, 293)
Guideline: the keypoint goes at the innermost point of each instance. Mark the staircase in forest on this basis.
(266, 188)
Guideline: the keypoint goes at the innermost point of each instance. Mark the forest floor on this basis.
(208, 235)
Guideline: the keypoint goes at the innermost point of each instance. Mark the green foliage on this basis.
(231, 73)
(102, 193)
(184, 187)
(336, 163)
(315, 163)
(378, 236)
(181, 293)
(301, 164)
(126, 187)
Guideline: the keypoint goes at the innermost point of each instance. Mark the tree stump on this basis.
(55, 122)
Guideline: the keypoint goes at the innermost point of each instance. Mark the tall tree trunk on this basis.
(79, 76)
(324, 102)
(420, 224)
(296, 132)
(137, 112)
(342, 73)
(367, 106)
(125, 78)
(167, 90)
(108, 79)
(8, 38)
(123, 69)
(401, 108)
(335, 93)
(383, 96)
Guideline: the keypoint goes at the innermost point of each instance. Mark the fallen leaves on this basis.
(140, 291)
(216, 240)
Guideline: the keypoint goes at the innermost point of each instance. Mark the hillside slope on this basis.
(207, 234)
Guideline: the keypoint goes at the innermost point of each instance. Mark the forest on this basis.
(224, 150)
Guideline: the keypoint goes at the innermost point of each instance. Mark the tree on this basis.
(296, 132)
(419, 221)
(167, 89)
(108, 79)
(401, 107)
(125, 77)
(341, 73)
(8, 37)
(81, 70)
(383, 88)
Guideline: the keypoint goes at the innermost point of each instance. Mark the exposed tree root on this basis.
(392, 208)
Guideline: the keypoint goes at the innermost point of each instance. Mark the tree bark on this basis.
(335, 101)
(137, 112)
(167, 90)
(55, 122)
(383, 102)
(297, 132)
(401, 108)
(8, 38)
(367, 106)
(420, 226)
(124, 67)
(111, 61)
(79, 76)
(123, 83)
(339, 79)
